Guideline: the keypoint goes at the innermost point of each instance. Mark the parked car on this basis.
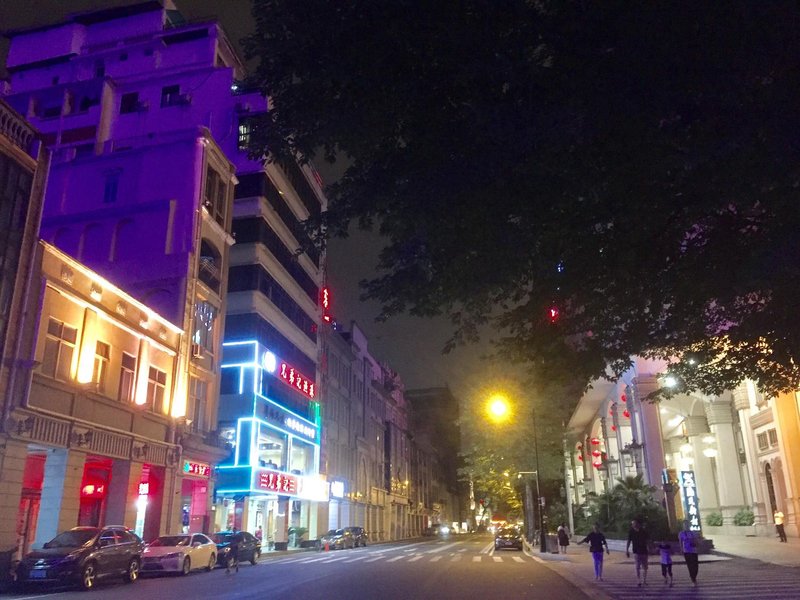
(83, 555)
(360, 537)
(338, 539)
(508, 537)
(179, 554)
(249, 546)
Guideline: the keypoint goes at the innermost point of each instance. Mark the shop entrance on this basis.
(94, 489)
(30, 500)
(194, 505)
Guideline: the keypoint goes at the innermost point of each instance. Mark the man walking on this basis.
(638, 538)
(233, 553)
(688, 541)
(778, 516)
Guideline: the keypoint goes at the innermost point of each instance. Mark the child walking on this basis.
(666, 562)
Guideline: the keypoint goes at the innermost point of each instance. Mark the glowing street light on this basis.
(498, 408)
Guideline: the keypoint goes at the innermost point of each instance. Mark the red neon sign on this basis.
(196, 468)
(144, 489)
(298, 381)
(280, 483)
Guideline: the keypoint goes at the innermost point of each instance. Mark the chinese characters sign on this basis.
(280, 483)
(298, 426)
(195, 468)
(301, 383)
(691, 507)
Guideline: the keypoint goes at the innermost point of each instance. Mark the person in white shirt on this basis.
(778, 516)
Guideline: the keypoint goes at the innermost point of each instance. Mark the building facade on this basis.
(136, 104)
(716, 454)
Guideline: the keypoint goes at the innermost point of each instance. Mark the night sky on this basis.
(411, 346)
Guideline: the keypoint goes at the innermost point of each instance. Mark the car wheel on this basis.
(253, 558)
(132, 572)
(212, 562)
(88, 576)
(187, 566)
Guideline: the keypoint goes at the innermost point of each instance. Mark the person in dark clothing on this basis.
(563, 538)
(596, 541)
(688, 541)
(638, 538)
(233, 554)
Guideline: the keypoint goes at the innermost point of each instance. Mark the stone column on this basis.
(123, 492)
(650, 429)
(13, 455)
(741, 402)
(731, 495)
(61, 493)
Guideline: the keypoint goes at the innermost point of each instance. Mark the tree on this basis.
(593, 180)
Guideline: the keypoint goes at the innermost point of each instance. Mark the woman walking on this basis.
(563, 538)
(688, 542)
(596, 542)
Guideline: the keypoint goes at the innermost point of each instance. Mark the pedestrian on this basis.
(563, 538)
(778, 516)
(666, 561)
(596, 542)
(638, 538)
(233, 552)
(688, 541)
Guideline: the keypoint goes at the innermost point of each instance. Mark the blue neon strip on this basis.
(276, 428)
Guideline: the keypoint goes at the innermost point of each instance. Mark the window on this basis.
(123, 56)
(127, 376)
(129, 103)
(99, 69)
(111, 187)
(216, 195)
(170, 95)
(196, 411)
(102, 354)
(762, 441)
(245, 129)
(108, 538)
(205, 316)
(772, 434)
(156, 385)
(59, 348)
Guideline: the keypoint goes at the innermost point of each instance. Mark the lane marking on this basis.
(498, 558)
(435, 558)
(379, 558)
(456, 558)
(517, 559)
(476, 558)
(417, 557)
(395, 558)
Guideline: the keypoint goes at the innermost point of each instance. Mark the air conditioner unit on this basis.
(197, 351)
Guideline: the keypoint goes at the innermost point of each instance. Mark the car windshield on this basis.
(222, 538)
(508, 531)
(171, 540)
(335, 532)
(72, 539)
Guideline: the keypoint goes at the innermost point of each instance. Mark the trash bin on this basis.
(552, 543)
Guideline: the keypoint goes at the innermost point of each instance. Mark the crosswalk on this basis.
(452, 556)
(783, 586)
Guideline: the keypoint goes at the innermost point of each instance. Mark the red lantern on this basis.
(626, 414)
(596, 453)
(595, 441)
(623, 398)
(597, 465)
(613, 428)
(580, 457)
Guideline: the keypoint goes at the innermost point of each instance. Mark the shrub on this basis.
(744, 517)
(714, 519)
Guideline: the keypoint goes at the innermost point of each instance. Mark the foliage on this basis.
(714, 519)
(607, 159)
(744, 517)
(614, 509)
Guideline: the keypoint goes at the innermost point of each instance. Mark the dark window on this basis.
(229, 381)
(252, 326)
(59, 348)
(111, 187)
(300, 184)
(127, 376)
(216, 196)
(198, 398)
(129, 103)
(99, 69)
(156, 386)
(123, 56)
(170, 95)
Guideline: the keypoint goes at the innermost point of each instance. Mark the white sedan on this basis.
(179, 554)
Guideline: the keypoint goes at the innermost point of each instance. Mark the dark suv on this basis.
(249, 546)
(83, 555)
(360, 537)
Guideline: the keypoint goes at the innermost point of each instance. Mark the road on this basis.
(458, 567)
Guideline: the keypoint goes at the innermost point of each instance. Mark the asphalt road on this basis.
(458, 567)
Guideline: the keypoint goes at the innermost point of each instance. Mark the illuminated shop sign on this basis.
(93, 490)
(337, 489)
(298, 426)
(691, 506)
(196, 468)
(298, 381)
(280, 483)
(144, 489)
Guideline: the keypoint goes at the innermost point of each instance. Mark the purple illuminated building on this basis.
(148, 126)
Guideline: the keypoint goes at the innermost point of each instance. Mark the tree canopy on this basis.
(593, 180)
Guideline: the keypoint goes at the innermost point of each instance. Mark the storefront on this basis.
(195, 485)
(271, 485)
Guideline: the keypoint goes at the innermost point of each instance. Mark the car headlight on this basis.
(445, 530)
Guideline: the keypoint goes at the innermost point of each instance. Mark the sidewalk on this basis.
(577, 567)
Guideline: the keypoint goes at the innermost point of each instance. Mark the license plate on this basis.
(37, 574)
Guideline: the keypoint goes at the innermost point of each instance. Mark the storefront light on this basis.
(710, 452)
(686, 448)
